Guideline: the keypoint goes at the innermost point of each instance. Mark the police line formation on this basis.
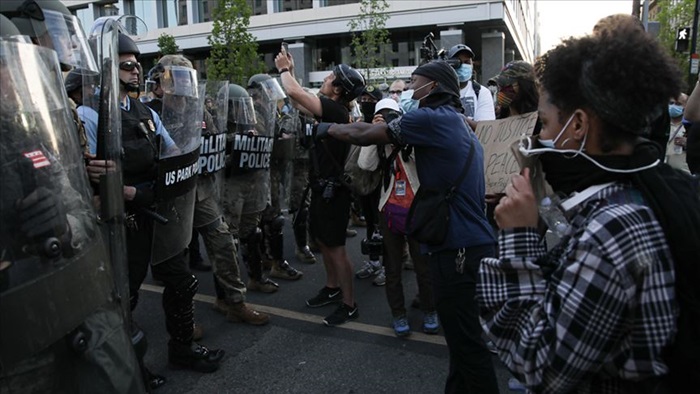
(102, 180)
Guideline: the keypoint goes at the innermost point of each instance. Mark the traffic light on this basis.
(683, 39)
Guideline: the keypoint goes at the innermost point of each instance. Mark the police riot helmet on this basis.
(175, 60)
(73, 81)
(257, 79)
(352, 82)
(53, 26)
(7, 28)
(452, 53)
(127, 46)
(236, 91)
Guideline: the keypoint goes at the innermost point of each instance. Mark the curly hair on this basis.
(625, 77)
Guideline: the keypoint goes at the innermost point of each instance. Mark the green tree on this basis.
(234, 51)
(167, 44)
(369, 34)
(672, 15)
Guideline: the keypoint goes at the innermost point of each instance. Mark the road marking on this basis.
(354, 326)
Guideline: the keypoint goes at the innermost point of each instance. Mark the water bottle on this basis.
(553, 216)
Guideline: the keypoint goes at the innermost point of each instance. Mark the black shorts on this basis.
(328, 221)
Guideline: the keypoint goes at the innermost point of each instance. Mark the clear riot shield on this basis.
(105, 104)
(212, 152)
(178, 165)
(54, 270)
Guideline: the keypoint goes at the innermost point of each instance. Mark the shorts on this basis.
(328, 221)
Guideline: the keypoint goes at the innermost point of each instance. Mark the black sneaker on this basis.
(342, 315)
(193, 356)
(324, 297)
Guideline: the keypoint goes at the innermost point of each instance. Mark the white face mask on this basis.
(527, 150)
(551, 143)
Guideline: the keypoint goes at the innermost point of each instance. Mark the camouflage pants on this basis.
(221, 249)
(300, 178)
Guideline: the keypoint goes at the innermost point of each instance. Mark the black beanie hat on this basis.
(442, 73)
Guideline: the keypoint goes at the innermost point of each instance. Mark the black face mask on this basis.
(367, 110)
(568, 174)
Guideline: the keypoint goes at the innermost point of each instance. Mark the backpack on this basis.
(361, 182)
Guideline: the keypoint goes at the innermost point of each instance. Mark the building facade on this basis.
(317, 31)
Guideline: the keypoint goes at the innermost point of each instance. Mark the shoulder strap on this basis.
(476, 86)
(464, 170)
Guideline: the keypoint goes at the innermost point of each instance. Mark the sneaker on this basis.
(370, 268)
(197, 332)
(324, 297)
(240, 313)
(313, 246)
(431, 324)
(341, 315)
(380, 279)
(264, 286)
(193, 356)
(401, 327)
(305, 255)
(285, 271)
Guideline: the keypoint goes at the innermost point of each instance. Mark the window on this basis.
(330, 3)
(292, 5)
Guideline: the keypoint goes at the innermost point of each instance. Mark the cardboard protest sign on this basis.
(496, 137)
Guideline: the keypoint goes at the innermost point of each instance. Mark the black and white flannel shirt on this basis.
(594, 313)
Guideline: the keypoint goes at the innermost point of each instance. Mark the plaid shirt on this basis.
(594, 313)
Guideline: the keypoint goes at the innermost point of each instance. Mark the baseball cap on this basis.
(514, 71)
(387, 103)
(372, 91)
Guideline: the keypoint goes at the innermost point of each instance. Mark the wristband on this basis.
(284, 70)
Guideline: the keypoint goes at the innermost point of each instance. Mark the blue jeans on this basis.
(471, 365)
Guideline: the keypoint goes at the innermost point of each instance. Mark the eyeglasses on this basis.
(395, 92)
(128, 65)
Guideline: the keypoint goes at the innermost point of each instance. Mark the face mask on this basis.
(464, 72)
(529, 147)
(407, 102)
(675, 110)
(367, 110)
(551, 143)
(505, 96)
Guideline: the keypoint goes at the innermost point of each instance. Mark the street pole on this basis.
(645, 15)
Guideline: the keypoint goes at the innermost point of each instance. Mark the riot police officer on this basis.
(146, 143)
(247, 183)
(208, 219)
(53, 261)
(266, 93)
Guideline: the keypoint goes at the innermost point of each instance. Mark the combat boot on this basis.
(264, 285)
(305, 255)
(239, 312)
(283, 270)
(193, 356)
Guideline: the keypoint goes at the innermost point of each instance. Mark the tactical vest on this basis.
(139, 143)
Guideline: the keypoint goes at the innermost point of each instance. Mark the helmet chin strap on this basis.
(129, 87)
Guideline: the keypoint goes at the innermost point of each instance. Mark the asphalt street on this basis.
(295, 352)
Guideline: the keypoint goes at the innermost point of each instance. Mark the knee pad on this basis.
(185, 290)
(277, 224)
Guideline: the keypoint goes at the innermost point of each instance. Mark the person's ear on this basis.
(580, 124)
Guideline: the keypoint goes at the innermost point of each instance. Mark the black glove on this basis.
(41, 212)
(321, 130)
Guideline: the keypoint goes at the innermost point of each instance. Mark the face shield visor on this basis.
(272, 91)
(65, 36)
(179, 81)
(242, 114)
